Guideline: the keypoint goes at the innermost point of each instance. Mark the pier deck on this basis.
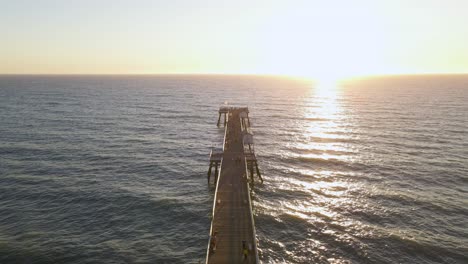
(232, 211)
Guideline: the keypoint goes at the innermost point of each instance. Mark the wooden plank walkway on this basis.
(232, 211)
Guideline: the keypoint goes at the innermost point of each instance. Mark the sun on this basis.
(305, 42)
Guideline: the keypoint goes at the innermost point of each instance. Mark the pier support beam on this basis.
(216, 173)
(214, 164)
(209, 172)
(252, 171)
(251, 174)
(219, 119)
(258, 172)
(245, 123)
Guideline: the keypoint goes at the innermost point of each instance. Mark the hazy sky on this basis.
(308, 38)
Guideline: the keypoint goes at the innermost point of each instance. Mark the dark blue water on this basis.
(112, 169)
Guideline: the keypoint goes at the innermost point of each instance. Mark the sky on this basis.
(317, 39)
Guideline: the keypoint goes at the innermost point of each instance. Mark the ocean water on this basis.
(112, 169)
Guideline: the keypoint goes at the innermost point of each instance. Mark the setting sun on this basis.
(323, 42)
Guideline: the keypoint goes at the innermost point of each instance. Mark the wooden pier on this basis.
(232, 227)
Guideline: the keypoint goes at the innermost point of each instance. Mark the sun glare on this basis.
(324, 44)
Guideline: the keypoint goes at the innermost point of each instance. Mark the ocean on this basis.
(112, 169)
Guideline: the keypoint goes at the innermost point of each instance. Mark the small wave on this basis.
(332, 163)
(319, 119)
(407, 247)
(323, 151)
(335, 140)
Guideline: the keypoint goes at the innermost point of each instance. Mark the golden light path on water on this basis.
(322, 118)
(324, 189)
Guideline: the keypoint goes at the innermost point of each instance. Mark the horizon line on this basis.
(237, 74)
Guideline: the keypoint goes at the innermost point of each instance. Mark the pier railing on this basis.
(254, 232)
(213, 214)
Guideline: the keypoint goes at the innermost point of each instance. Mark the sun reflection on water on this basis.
(314, 186)
(325, 136)
(323, 105)
(326, 129)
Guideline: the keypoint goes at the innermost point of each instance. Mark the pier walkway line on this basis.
(232, 212)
